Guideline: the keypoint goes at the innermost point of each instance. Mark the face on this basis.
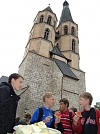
(28, 119)
(83, 102)
(17, 84)
(50, 101)
(63, 106)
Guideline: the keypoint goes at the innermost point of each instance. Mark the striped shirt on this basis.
(65, 119)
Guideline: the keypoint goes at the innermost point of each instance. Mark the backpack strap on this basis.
(40, 114)
(70, 115)
(52, 123)
(53, 115)
(71, 121)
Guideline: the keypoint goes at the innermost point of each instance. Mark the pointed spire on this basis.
(66, 14)
(65, 3)
(49, 8)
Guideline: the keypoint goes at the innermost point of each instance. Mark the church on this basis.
(51, 61)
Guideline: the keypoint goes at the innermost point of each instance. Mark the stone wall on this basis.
(42, 75)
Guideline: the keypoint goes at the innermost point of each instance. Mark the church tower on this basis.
(67, 37)
(51, 61)
(42, 34)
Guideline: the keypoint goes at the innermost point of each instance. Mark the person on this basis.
(73, 109)
(66, 116)
(17, 120)
(47, 115)
(25, 120)
(8, 102)
(89, 122)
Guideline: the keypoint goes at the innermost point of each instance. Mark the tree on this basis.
(97, 105)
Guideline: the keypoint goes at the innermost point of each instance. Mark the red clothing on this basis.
(65, 120)
(78, 129)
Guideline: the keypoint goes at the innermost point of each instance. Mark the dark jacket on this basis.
(8, 106)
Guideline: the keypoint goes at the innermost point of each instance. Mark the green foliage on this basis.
(97, 105)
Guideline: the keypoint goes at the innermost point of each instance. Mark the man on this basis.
(8, 102)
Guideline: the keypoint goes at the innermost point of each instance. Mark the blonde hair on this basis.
(87, 95)
(47, 95)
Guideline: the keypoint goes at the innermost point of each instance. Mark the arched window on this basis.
(41, 18)
(73, 31)
(57, 45)
(66, 30)
(54, 24)
(58, 34)
(46, 34)
(73, 45)
(49, 20)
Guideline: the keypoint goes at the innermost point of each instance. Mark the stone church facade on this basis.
(51, 61)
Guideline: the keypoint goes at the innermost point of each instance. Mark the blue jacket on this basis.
(46, 112)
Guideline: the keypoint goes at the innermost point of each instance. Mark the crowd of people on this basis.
(67, 122)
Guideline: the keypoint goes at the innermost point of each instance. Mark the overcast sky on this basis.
(16, 20)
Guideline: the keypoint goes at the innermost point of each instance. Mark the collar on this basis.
(46, 108)
(65, 111)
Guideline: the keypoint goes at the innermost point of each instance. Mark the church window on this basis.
(41, 18)
(73, 31)
(58, 34)
(49, 20)
(73, 45)
(54, 23)
(57, 45)
(65, 30)
(46, 34)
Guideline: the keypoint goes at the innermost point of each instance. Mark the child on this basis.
(66, 116)
(17, 121)
(25, 120)
(89, 122)
(47, 114)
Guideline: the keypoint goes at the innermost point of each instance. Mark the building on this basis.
(4, 79)
(51, 61)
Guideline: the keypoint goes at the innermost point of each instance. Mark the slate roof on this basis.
(56, 51)
(48, 9)
(4, 79)
(66, 14)
(64, 68)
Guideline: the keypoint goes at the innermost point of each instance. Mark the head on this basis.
(64, 104)
(85, 99)
(73, 109)
(27, 117)
(16, 81)
(48, 99)
(17, 119)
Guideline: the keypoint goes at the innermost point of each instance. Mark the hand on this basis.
(14, 132)
(57, 120)
(47, 119)
(75, 120)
